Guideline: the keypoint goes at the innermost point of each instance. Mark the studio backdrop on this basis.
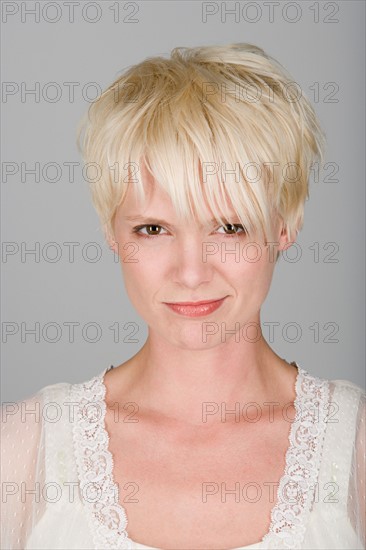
(64, 312)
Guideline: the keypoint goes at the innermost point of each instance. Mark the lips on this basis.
(194, 303)
(196, 309)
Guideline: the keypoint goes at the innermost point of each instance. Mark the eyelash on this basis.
(139, 227)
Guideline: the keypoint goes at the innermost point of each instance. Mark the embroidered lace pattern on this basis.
(295, 492)
(99, 493)
(296, 488)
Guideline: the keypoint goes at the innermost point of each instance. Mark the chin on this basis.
(192, 337)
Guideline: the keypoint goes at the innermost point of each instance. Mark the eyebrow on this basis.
(163, 222)
(146, 220)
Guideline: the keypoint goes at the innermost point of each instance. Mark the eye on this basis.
(152, 230)
(233, 228)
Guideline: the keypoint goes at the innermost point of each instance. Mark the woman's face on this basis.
(171, 262)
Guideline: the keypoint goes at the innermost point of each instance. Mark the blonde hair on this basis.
(203, 112)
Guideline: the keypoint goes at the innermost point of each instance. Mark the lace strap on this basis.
(296, 491)
(107, 519)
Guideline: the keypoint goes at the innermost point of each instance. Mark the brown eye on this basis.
(148, 230)
(233, 228)
(230, 228)
(153, 229)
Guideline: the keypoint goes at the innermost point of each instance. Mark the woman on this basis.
(205, 438)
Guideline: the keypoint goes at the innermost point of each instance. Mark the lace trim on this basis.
(296, 489)
(99, 493)
(295, 494)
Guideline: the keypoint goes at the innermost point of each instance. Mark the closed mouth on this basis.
(202, 302)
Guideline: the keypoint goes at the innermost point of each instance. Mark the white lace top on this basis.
(59, 491)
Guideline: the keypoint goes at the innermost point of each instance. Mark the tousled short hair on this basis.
(222, 125)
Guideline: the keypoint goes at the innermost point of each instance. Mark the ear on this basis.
(285, 240)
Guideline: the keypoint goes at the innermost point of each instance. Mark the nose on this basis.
(189, 267)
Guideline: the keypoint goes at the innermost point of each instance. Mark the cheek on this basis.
(252, 274)
(137, 286)
(142, 276)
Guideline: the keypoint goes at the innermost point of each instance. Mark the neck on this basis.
(171, 382)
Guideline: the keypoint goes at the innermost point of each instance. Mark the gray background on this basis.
(306, 292)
